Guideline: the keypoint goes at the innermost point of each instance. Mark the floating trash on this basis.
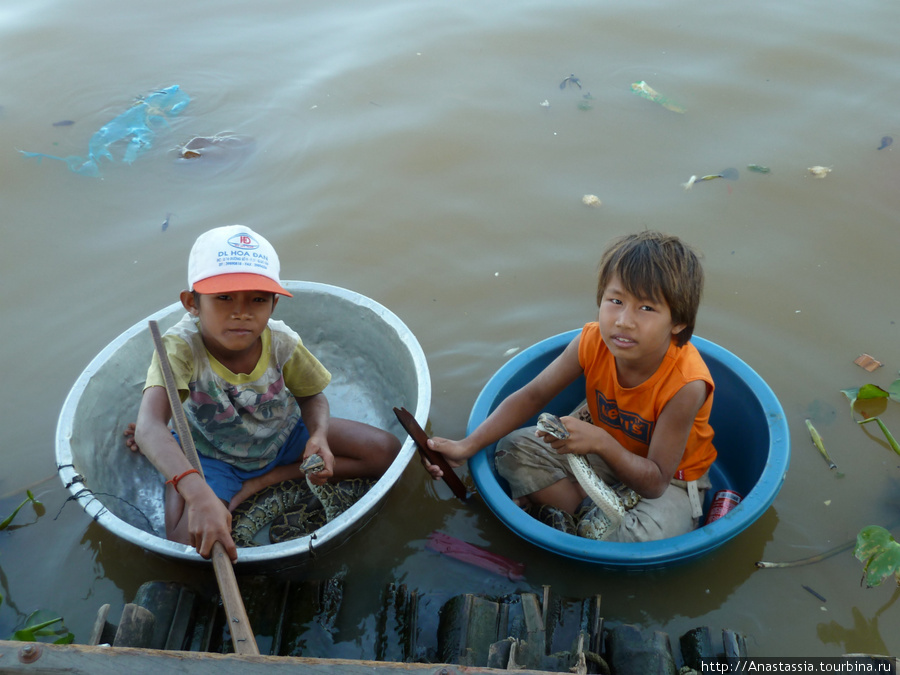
(223, 143)
(570, 80)
(137, 125)
(727, 174)
(758, 168)
(586, 102)
(644, 90)
(819, 171)
(885, 142)
(868, 363)
(64, 123)
(214, 154)
(591, 200)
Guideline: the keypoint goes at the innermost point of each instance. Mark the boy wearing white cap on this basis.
(251, 391)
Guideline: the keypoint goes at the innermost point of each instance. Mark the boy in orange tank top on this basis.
(644, 427)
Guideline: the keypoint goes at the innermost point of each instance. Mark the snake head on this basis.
(552, 425)
(312, 464)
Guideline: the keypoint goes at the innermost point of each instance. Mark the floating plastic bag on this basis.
(138, 125)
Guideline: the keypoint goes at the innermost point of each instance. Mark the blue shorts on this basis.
(226, 479)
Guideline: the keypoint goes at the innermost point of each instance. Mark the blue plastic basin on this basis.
(752, 440)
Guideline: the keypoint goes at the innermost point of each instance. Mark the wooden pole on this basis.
(238, 623)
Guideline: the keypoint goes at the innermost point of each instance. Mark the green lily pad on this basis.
(880, 552)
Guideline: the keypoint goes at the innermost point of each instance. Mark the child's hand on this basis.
(582, 438)
(129, 438)
(319, 446)
(455, 453)
(209, 521)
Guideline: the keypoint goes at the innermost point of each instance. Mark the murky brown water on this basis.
(402, 151)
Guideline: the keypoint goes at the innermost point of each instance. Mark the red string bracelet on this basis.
(175, 479)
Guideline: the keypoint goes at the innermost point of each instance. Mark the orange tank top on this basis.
(630, 414)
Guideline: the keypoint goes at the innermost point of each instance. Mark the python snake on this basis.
(610, 509)
(295, 508)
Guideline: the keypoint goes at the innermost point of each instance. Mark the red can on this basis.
(723, 502)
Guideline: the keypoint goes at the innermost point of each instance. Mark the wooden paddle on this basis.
(420, 438)
(238, 623)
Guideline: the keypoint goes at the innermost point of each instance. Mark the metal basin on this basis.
(752, 439)
(375, 361)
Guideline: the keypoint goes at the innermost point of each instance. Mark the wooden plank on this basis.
(481, 631)
(100, 627)
(533, 646)
(453, 628)
(45, 659)
(136, 627)
(161, 598)
(180, 628)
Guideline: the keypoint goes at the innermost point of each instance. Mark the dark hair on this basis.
(657, 267)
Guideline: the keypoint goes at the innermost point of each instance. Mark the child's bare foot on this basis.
(129, 438)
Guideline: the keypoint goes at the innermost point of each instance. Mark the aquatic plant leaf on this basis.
(851, 394)
(869, 391)
(29, 498)
(38, 625)
(880, 552)
(894, 390)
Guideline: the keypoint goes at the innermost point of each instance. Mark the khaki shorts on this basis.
(529, 464)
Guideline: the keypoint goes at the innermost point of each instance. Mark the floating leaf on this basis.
(869, 391)
(894, 390)
(851, 394)
(880, 552)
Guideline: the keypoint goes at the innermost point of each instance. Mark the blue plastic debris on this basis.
(138, 125)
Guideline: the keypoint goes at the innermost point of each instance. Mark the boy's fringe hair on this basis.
(657, 266)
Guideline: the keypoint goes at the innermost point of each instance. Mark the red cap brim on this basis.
(238, 281)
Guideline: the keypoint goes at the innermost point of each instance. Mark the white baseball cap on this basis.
(234, 258)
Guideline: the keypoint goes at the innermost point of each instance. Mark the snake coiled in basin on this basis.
(295, 508)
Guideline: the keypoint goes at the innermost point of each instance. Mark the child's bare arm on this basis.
(514, 410)
(208, 518)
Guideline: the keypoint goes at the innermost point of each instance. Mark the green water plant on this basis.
(875, 547)
(869, 392)
(880, 553)
(41, 625)
(29, 498)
